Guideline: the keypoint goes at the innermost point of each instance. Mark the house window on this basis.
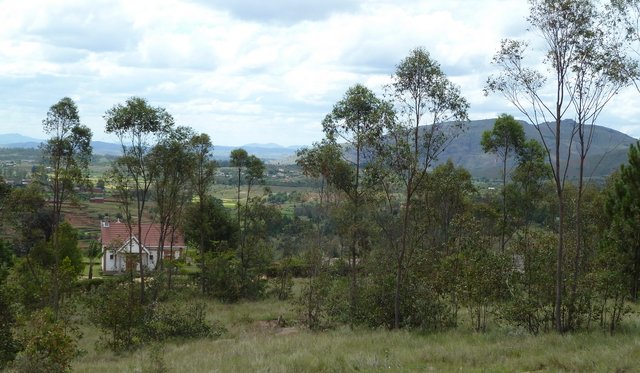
(110, 256)
(151, 257)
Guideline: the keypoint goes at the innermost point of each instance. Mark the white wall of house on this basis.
(115, 260)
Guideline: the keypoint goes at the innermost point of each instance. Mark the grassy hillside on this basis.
(255, 343)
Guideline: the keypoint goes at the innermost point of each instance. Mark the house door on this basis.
(131, 262)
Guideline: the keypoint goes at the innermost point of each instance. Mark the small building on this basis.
(121, 247)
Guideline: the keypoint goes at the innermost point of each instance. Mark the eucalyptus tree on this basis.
(358, 119)
(318, 162)
(528, 183)
(505, 139)
(583, 74)
(202, 179)
(323, 160)
(138, 126)
(255, 169)
(254, 173)
(424, 99)
(171, 164)
(238, 159)
(68, 153)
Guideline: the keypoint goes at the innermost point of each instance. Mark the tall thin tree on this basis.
(138, 127)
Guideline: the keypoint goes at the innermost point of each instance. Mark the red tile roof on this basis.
(117, 233)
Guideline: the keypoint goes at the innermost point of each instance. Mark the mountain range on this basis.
(608, 149)
(267, 152)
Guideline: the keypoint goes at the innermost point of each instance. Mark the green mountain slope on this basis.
(608, 149)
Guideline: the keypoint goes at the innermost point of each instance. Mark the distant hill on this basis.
(267, 152)
(15, 138)
(608, 149)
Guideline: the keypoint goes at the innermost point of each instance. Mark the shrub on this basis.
(127, 323)
(165, 321)
(117, 311)
(8, 344)
(222, 276)
(49, 345)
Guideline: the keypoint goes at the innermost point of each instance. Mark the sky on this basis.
(246, 71)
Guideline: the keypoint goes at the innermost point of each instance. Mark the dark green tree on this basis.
(528, 185)
(94, 251)
(215, 229)
(623, 207)
(202, 179)
(238, 159)
(505, 139)
(171, 165)
(8, 343)
(67, 153)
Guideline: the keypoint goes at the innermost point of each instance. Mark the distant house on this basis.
(96, 199)
(121, 247)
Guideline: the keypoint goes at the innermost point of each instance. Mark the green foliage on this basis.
(67, 153)
(93, 252)
(315, 292)
(29, 218)
(126, 323)
(8, 344)
(477, 271)
(48, 344)
(211, 223)
(67, 248)
(178, 320)
(118, 313)
(623, 208)
(29, 284)
(282, 285)
(529, 184)
(610, 282)
(505, 138)
(221, 276)
(530, 283)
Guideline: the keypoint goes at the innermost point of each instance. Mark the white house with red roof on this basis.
(121, 247)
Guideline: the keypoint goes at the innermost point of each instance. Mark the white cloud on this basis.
(243, 71)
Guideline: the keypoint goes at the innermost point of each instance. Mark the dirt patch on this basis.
(287, 331)
(276, 327)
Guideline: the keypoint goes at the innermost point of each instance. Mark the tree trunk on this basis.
(504, 201)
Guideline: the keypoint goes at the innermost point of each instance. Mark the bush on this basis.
(531, 283)
(166, 321)
(127, 323)
(118, 312)
(221, 274)
(8, 344)
(49, 345)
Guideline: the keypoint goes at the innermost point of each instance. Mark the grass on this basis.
(255, 343)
